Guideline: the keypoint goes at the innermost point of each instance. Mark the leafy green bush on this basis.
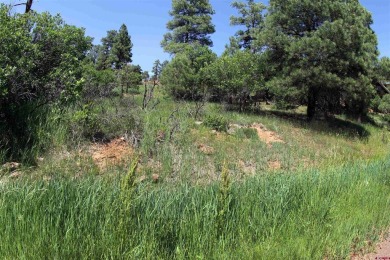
(40, 69)
(182, 77)
(215, 122)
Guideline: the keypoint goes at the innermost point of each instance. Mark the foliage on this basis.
(156, 70)
(216, 122)
(235, 75)
(182, 77)
(321, 53)
(232, 47)
(115, 51)
(97, 84)
(383, 69)
(251, 16)
(130, 76)
(191, 23)
(145, 75)
(384, 105)
(39, 66)
(163, 65)
(104, 57)
(121, 49)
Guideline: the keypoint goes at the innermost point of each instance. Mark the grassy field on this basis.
(303, 215)
(322, 190)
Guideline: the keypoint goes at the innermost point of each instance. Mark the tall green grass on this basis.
(308, 215)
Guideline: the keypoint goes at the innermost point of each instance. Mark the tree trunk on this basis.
(311, 103)
(28, 6)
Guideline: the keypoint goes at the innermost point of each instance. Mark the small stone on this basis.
(15, 175)
(233, 128)
(155, 178)
(198, 122)
(11, 166)
(40, 159)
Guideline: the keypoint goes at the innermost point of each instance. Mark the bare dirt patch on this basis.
(111, 153)
(267, 136)
(274, 165)
(247, 167)
(208, 150)
(382, 250)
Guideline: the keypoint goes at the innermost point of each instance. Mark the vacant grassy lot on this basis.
(290, 189)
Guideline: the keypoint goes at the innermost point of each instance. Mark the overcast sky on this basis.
(146, 21)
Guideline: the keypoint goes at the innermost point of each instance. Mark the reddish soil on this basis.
(114, 152)
(205, 149)
(382, 250)
(265, 135)
(274, 165)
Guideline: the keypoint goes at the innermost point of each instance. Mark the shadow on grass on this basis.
(332, 126)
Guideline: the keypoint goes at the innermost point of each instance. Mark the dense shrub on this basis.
(40, 59)
(216, 122)
(182, 77)
(233, 75)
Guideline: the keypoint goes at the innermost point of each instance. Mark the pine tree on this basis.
(322, 53)
(121, 50)
(233, 46)
(104, 60)
(156, 71)
(251, 16)
(191, 23)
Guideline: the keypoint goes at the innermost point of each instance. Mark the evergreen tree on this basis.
(383, 69)
(156, 70)
(321, 53)
(163, 65)
(121, 49)
(104, 60)
(233, 46)
(191, 23)
(145, 76)
(251, 16)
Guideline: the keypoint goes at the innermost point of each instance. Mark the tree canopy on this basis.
(182, 76)
(250, 16)
(321, 53)
(116, 49)
(121, 49)
(191, 23)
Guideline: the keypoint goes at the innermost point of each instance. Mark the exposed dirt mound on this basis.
(265, 135)
(111, 153)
